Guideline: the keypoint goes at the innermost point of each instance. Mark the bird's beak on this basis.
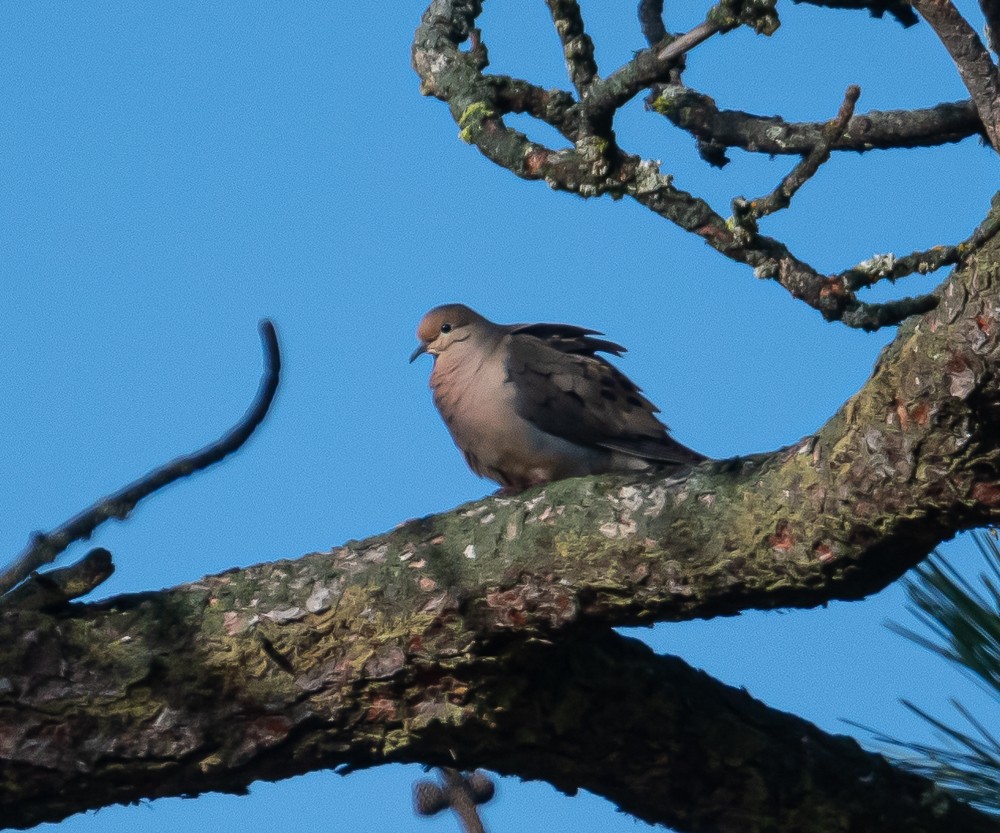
(421, 349)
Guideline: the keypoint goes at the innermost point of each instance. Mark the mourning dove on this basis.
(531, 403)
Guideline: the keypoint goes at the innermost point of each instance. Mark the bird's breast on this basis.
(478, 402)
(474, 398)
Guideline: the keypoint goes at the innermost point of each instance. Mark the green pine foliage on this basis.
(963, 619)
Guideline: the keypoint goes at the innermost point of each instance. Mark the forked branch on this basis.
(748, 213)
(594, 165)
(979, 72)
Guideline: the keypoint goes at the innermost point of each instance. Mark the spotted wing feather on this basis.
(567, 390)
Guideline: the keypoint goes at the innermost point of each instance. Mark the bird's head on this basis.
(444, 326)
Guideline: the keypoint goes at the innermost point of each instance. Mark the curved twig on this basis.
(54, 588)
(556, 108)
(43, 548)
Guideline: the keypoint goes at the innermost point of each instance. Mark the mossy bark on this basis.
(484, 632)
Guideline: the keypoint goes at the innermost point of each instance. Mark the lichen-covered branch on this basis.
(484, 631)
(54, 588)
(594, 165)
(183, 692)
(659, 63)
(554, 107)
(718, 129)
(648, 67)
(889, 267)
(578, 48)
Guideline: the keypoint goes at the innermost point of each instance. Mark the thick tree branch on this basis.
(877, 130)
(197, 697)
(451, 631)
(979, 72)
(43, 548)
(481, 637)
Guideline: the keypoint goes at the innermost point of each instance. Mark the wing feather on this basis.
(569, 339)
(565, 389)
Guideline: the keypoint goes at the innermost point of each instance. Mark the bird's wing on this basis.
(565, 389)
(569, 339)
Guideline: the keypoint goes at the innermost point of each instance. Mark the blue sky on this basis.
(169, 174)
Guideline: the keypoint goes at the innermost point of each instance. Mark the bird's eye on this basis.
(446, 328)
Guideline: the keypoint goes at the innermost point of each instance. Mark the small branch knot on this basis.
(759, 15)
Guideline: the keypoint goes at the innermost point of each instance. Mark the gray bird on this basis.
(531, 403)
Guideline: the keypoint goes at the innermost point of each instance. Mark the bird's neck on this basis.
(456, 369)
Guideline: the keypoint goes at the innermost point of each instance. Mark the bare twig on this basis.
(578, 48)
(873, 317)
(889, 267)
(683, 44)
(876, 130)
(899, 9)
(43, 548)
(979, 73)
(747, 213)
(651, 21)
(462, 793)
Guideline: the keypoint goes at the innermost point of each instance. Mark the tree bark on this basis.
(484, 632)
